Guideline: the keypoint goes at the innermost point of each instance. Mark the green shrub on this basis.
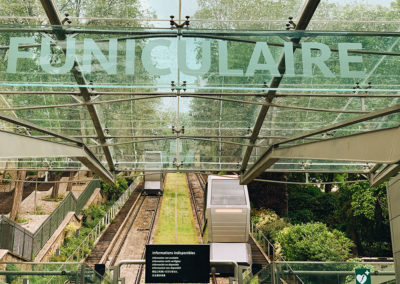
(12, 267)
(92, 215)
(113, 192)
(56, 199)
(313, 242)
(6, 178)
(31, 173)
(268, 222)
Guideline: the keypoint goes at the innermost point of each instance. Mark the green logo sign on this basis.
(363, 276)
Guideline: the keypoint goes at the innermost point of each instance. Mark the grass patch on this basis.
(56, 199)
(176, 223)
(39, 210)
(20, 220)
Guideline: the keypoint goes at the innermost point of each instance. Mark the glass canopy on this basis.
(195, 90)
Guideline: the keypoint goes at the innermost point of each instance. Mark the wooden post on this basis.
(17, 196)
(70, 179)
(35, 202)
(54, 192)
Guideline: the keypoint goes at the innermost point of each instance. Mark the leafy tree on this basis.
(363, 215)
(357, 209)
(114, 191)
(313, 241)
(310, 204)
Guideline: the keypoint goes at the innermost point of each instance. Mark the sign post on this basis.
(177, 264)
(363, 276)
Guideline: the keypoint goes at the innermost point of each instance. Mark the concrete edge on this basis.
(49, 244)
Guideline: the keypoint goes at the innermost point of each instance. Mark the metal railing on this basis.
(81, 251)
(87, 243)
(264, 243)
(40, 272)
(270, 249)
(26, 244)
(237, 277)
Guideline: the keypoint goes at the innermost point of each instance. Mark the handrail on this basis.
(29, 248)
(275, 253)
(106, 220)
(96, 232)
(117, 268)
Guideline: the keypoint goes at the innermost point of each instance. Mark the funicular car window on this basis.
(226, 192)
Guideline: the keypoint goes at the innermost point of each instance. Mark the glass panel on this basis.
(335, 272)
(227, 193)
(196, 94)
(19, 272)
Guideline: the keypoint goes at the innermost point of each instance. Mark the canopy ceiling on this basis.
(213, 96)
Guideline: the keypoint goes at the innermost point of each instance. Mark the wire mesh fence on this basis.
(26, 244)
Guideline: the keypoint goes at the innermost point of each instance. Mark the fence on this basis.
(24, 243)
(42, 272)
(270, 250)
(82, 250)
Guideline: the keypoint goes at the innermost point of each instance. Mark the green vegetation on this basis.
(39, 210)
(303, 242)
(113, 192)
(176, 222)
(31, 173)
(316, 214)
(356, 209)
(20, 220)
(313, 241)
(6, 178)
(57, 198)
(91, 217)
(11, 267)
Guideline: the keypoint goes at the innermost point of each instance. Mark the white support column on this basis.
(393, 197)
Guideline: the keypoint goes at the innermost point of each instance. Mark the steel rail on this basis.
(195, 206)
(133, 215)
(140, 271)
(202, 183)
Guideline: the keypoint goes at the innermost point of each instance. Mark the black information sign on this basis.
(177, 264)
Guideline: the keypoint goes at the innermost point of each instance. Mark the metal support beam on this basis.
(55, 19)
(380, 146)
(387, 172)
(19, 146)
(91, 103)
(33, 126)
(303, 21)
(347, 122)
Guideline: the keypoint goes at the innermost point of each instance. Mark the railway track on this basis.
(133, 237)
(100, 251)
(197, 194)
(203, 180)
